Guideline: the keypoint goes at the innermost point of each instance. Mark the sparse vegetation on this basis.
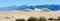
(58, 18)
(20, 20)
(32, 19)
(7, 17)
(51, 19)
(42, 19)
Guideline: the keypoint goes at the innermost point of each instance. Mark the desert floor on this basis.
(26, 14)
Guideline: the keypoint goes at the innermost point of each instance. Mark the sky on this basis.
(5, 3)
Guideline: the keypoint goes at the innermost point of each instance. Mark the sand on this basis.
(26, 14)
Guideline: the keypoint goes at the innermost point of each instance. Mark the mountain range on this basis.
(51, 7)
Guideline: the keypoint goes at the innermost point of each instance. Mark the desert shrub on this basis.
(32, 19)
(20, 20)
(51, 19)
(58, 18)
(42, 19)
(7, 17)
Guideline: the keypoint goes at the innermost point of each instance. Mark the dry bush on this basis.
(20, 20)
(42, 19)
(33, 19)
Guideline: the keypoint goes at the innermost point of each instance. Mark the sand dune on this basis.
(26, 14)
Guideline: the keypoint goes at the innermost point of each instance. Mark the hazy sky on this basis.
(4, 3)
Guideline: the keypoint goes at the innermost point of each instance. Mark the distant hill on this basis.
(51, 7)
